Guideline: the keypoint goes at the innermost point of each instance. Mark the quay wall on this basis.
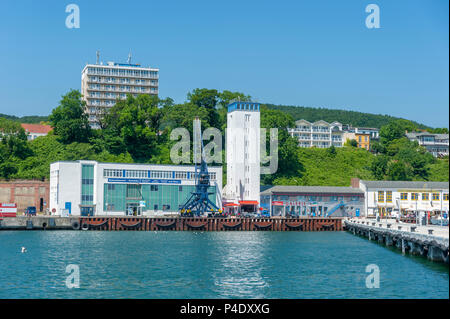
(171, 224)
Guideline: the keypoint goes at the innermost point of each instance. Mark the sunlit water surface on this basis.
(210, 265)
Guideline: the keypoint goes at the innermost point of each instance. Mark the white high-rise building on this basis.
(243, 156)
(102, 85)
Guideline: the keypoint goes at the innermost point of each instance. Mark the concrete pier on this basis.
(37, 223)
(430, 241)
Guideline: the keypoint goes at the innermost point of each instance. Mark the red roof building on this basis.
(36, 130)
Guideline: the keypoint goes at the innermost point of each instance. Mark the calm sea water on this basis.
(210, 265)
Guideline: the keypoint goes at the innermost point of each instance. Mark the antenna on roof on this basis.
(129, 58)
(98, 56)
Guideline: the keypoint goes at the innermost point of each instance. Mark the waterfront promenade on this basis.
(437, 231)
(430, 241)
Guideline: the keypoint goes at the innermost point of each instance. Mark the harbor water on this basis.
(210, 265)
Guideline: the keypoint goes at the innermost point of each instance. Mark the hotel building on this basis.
(115, 189)
(318, 134)
(102, 85)
(314, 201)
(436, 144)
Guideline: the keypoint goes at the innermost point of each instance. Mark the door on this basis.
(68, 206)
(87, 211)
(133, 209)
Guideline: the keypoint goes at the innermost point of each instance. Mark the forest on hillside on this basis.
(30, 119)
(356, 119)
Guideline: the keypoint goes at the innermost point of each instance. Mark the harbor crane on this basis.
(199, 203)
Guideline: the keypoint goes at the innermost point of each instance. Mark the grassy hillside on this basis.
(345, 117)
(324, 168)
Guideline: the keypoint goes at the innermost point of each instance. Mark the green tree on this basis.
(132, 125)
(70, 122)
(379, 166)
(351, 143)
(399, 171)
(207, 99)
(391, 132)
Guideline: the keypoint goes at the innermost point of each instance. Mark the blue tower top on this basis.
(243, 106)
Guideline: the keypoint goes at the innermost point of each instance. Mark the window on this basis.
(181, 175)
(446, 197)
(154, 188)
(180, 188)
(425, 196)
(404, 196)
(381, 196)
(414, 196)
(435, 196)
(161, 174)
(112, 173)
(136, 173)
(389, 197)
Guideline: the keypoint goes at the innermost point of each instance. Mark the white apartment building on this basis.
(436, 144)
(102, 85)
(243, 156)
(318, 134)
(385, 197)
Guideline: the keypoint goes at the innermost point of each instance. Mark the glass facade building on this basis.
(90, 188)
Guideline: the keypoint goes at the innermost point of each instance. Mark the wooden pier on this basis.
(172, 224)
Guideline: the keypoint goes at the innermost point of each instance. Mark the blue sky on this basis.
(312, 53)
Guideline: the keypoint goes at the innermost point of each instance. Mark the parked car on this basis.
(30, 211)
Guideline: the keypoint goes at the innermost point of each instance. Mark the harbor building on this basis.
(102, 85)
(318, 134)
(243, 157)
(25, 193)
(404, 197)
(90, 188)
(436, 144)
(313, 201)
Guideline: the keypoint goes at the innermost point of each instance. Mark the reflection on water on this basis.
(241, 263)
(210, 265)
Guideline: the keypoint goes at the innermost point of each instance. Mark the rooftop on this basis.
(280, 189)
(416, 134)
(36, 128)
(405, 184)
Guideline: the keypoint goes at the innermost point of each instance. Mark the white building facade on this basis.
(436, 144)
(385, 197)
(90, 188)
(318, 134)
(243, 156)
(102, 85)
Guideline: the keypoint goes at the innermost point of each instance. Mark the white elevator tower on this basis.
(243, 156)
